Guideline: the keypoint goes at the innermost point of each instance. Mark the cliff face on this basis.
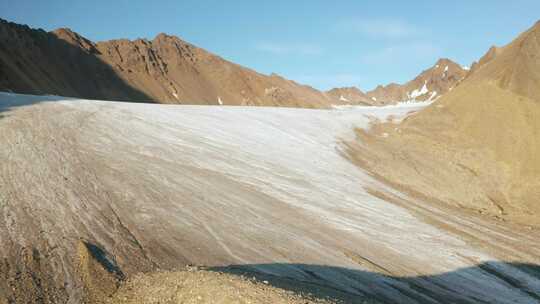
(165, 69)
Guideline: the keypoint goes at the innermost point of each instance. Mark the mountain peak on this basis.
(166, 39)
(427, 86)
(74, 38)
(64, 31)
(67, 34)
(351, 88)
(165, 69)
(515, 66)
(537, 25)
(444, 61)
(165, 36)
(349, 95)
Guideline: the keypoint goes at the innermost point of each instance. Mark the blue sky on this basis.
(321, 43)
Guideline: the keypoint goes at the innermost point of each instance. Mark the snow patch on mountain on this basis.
(418, 92)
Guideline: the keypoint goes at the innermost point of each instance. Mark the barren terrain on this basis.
(478, 147)
(167, 69)
(93, 193)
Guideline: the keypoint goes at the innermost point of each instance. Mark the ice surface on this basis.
(262, 185)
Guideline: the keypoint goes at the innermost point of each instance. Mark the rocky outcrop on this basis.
(429, 85)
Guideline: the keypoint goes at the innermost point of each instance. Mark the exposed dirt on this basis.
(477, 147)
(201, 286)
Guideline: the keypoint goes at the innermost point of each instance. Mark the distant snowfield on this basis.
(251, 186)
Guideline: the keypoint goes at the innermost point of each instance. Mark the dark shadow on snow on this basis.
(9, 101)
(489, 282)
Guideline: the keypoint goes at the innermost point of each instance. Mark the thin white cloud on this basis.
(381, 28)
(398, 53)
(288, 49)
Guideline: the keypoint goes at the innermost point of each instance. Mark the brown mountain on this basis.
(165, 69)
(478, 147)
(349, 95)
(37, 62)
(491, 53)
(170, 70)
(430, 84)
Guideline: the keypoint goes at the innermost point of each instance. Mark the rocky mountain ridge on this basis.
(165, 70)
(428, 86)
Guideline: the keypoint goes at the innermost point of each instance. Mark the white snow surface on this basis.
(418, 92)
(433, 96)
(294, 158)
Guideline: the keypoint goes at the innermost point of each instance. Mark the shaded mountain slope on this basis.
(478, 147)
(38, 62)
(165, 69)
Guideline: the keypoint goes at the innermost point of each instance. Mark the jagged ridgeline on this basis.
(170, 70)
(165, 70)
